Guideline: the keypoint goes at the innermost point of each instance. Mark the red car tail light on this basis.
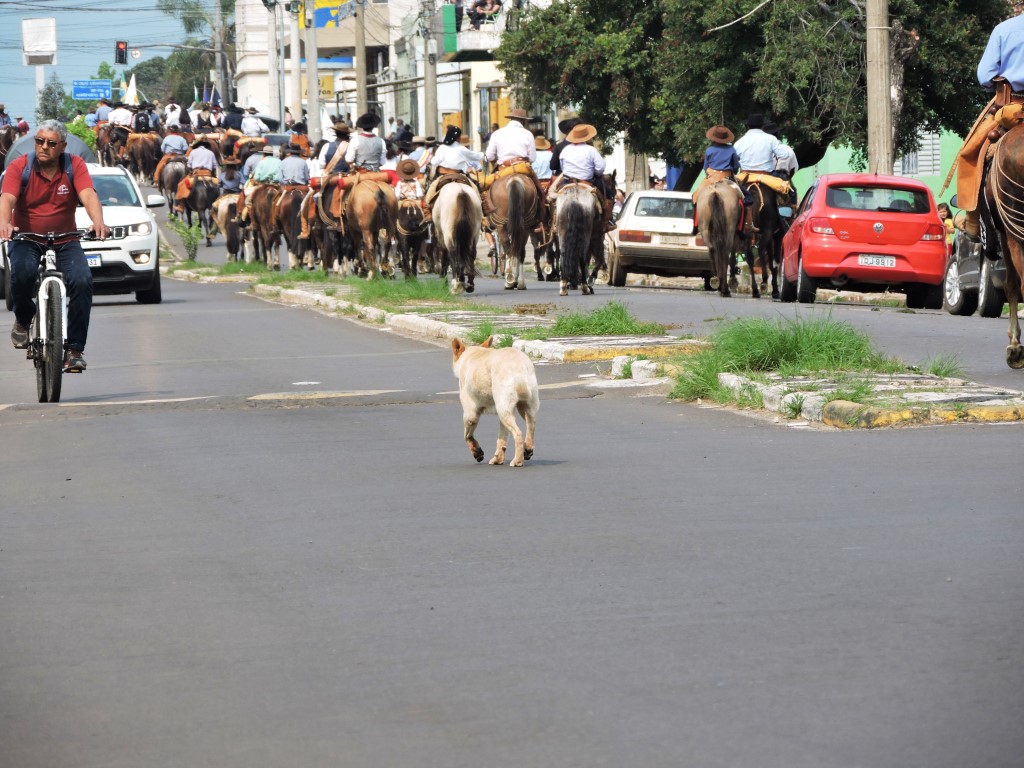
(821, 226)
(634, 236)
(934, 232)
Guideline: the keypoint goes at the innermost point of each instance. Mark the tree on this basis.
(52, 101)
(217, 37)
(151, 78)
(664, 71)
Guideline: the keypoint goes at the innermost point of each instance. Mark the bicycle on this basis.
(48, 331)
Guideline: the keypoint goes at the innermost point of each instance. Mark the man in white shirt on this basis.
(758, 150)
(252, 125)
(172, 113)
(580, 161)
(514, 144)
(120, 115)
(786, 166)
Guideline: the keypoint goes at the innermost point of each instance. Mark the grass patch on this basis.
(387, 294)
(753, 346)
(945, 365)
(613, 319)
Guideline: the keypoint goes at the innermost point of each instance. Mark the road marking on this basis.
(322, 395)
(137, 402)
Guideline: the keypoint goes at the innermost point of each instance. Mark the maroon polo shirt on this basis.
(45, 205)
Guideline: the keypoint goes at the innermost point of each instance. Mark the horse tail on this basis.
(516, 223)
(577, 237)
(464, 236)
(721, 238)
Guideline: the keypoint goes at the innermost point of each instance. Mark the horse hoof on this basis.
(521, 286)
(470, 288)
(1015, 356)
(563, 291)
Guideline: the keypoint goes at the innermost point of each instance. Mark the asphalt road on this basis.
(227, 581)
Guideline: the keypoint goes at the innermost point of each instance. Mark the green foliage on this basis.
(612, 319)
(51, 104)
(659, 70)
(84, 132)
(151, 78)
(190, 236)
(946, 365)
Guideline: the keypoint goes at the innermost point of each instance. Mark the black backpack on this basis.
(141, 122)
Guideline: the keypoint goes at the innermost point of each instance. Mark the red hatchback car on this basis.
(863, 232)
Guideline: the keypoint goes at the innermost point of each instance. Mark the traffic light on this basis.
(121, 52)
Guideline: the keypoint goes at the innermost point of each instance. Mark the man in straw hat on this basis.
(580, 161)
(556, 152)
(513, 145)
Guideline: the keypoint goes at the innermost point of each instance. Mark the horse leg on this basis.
(1014, 265)
(510, 269)
(754, 290)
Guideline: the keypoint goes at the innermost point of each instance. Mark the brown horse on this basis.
(516, 211)
(225, 213)
(143, 152)
(8, 135)
(266, 237)
(719, 207)
(413, 231)
(371, 209)
(286, 213)
(1004, 197)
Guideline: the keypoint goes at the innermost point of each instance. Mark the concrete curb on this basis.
(846, 415)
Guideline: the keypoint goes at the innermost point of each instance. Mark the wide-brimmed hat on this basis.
(755, 120)
(464, 140)
(419, 140)
(232, 161)
(720, 134)
(342, 128)
(368, 122)
(451, 135)
(408, 169)
(252, 110)
(541, 142)
(568, 124)
(518, 114)
(200, 143)
(581, 134)
(770, 127)
(268, 149)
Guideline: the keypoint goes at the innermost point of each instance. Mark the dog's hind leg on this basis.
(499, 451)
(530, 417)
(508, 423)
(470, 418)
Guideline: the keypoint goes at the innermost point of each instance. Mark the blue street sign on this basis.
(90, 89)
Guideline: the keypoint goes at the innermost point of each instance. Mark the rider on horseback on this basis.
(173, 146)
(758, 152)
(581, 162)
(450, 162)
(513, 147)
(201, 163)
(720, 161)
(366, 151)
(1001, 69)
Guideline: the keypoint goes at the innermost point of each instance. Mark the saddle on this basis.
(763, 177)
(506, 170)
(345, 182)
(449, 177)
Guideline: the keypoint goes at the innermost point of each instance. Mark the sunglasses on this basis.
(47, 143)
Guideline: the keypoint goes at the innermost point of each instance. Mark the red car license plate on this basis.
(870, 260)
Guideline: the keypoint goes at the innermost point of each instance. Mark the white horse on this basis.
(580, 230)
(457, 214)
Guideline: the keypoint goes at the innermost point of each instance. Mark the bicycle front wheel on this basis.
(50, 362)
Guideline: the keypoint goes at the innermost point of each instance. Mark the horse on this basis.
(143, 151)
(286, 214)
(336, 249)
(457, 215)
(516, 211)
(225, 213)
(266, 237)
(201, 194)
(579, 223)
(171, 174)
(370, 209)
(766, 236)
(1004, 198)
(8, 135)
(719, 208)
(116, 139)
(413, 231)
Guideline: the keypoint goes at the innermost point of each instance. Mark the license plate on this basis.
(672, 239)
(94, 261)
(868, 260)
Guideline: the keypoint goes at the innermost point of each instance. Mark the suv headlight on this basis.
(144, 228)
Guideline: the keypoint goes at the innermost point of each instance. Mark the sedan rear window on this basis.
(890, 199)
(664, 207)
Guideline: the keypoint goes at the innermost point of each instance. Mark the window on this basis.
(926, 161)
(664, 207)
(114, 190)
(889, 199)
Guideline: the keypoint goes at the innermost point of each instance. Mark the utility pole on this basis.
(312, 76)
(362, 98)
(293, 13)
(879, 80)
(272, 67)
(219, 80)
(429, 70)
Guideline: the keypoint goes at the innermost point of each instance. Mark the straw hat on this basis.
(268, 149)
(720, 134)
(408, 169)
(541, 143)
(518, 114)
(581, 134)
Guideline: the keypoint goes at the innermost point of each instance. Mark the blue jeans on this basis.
(24, 257)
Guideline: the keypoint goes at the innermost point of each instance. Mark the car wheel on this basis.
(8, 297)
(151, 295)
(990, 298)
(806, 286)
(787, 290)
(955, 300)
(616, 274)
(915, 296)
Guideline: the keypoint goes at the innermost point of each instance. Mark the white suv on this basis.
(129, 261)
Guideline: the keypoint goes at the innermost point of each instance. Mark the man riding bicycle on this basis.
(46, 202)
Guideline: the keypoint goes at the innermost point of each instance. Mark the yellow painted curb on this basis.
(847, 415)
(586, 354)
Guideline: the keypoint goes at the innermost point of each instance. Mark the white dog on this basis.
(502, 381)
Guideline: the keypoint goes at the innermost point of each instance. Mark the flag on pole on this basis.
(131, 95)
(215, 98)
(124, 87)
(206, 93)
(195, 94)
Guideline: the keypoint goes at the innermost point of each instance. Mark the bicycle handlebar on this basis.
(50, 237)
